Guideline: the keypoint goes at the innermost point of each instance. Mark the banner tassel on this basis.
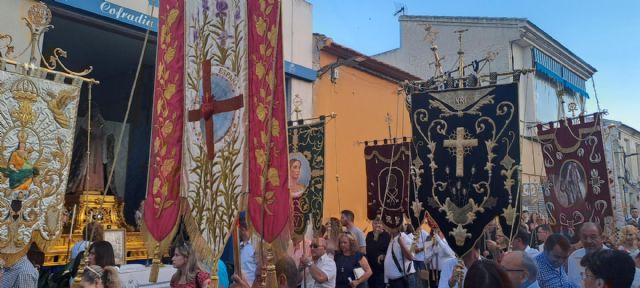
(155, 264)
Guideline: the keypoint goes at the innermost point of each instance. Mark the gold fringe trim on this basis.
(198, 243)
(150, 242)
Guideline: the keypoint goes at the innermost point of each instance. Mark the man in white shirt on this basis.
(346, 219)
(438, 252)
(452, 271)
(591, 239)
(319, 269)
(248, 261)
(398, 262)
(520, 242)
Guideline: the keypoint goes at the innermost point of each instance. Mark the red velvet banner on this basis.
(576, 190)
(269, 201)
(163, 190)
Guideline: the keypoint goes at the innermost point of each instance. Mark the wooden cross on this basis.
(210, 106)
(460, 143)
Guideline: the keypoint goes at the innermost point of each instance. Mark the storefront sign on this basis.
(131, 12)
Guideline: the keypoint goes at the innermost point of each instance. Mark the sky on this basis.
(605, 34)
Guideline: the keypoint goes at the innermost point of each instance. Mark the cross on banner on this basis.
(210, 106)
(460, 143)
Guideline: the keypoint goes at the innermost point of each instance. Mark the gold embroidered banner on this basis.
(163, 189)
(37, 124)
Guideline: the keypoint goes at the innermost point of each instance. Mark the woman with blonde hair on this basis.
(333, 229)
(189, 273)
(95, 276)
(628, 239)
(352, 266)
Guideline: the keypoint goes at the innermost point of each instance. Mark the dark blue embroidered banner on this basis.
(468, 157)
(306, 174)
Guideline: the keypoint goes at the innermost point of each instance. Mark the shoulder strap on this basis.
(395, 259)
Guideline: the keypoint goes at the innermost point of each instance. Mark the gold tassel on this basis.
(214, 274)
(271, 280)
(155, 264)
(83, 264)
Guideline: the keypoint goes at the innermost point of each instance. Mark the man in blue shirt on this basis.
(551, 272)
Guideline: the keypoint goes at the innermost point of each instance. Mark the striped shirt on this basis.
(22, 274)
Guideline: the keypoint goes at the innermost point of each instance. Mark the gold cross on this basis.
(460, 143)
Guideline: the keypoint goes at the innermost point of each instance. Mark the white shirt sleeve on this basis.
(447, 271)
(574, 269)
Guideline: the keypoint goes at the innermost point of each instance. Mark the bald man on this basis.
(521, 269)
(319, 269)
(592, 241)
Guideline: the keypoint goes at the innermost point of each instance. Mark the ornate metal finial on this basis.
(38, 20)
(572, 107)
(6, 44)
(297, 106)
(430, 37)
(460, 57)
(388, 120)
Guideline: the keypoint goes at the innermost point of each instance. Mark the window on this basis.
(547, 102)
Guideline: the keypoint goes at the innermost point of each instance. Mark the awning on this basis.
(551, 68)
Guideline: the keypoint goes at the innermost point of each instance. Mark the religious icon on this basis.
(571, 188)
(20, 170)
(299, 174)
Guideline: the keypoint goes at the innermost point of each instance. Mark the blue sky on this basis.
(606, 34)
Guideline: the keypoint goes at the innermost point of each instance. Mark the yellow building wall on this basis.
(361, 102)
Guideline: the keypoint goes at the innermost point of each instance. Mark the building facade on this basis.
(361, 91)
(623, 155)
(556, 89)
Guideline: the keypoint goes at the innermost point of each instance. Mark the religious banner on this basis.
(268, 193)
(163, 190)
(37, 124)
(577, 188)
(388, 177)
(468, 156)
(306, 174)
(214, 159)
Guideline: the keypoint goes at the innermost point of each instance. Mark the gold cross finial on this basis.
(572, 107)
(297, 103)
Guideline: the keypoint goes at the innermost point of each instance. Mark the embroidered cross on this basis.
(210, 107)
(460, 143)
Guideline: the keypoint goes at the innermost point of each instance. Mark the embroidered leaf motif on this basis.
(433, 203)
(490, 203)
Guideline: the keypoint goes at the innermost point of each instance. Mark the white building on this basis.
(623, 143)
(514, 43)
(297, 37)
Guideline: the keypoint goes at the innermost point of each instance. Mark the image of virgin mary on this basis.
(20, 171)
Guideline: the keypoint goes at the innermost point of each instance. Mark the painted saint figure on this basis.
(295, 187)
(20, 170)
(572, 187)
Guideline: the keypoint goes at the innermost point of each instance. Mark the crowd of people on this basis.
(343, 256)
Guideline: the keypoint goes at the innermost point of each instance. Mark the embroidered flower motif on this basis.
(596, 181)
(205, 5)
(221, 8)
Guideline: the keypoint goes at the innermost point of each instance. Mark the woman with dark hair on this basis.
(101, 254)
(92, 232)
(349, 262)
(608, 268)
(95, 276)
(486, 274)
(189, 273)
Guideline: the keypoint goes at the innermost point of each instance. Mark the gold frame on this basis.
(119, 250)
